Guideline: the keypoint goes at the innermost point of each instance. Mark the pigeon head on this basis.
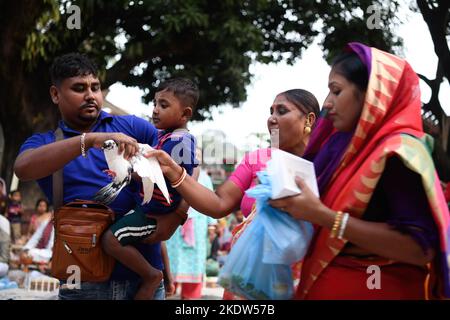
(109, 145)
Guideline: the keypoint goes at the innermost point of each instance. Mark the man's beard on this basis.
(89, 118)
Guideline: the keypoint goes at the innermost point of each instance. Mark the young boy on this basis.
(14, 213)
(175, 101)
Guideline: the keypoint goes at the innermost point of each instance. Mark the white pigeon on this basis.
(120, 170)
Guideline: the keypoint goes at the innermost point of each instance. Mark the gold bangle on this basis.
(336, 224)
(180, 180)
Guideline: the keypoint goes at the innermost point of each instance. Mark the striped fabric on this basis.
(135, 232)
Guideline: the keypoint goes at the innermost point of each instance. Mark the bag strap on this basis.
(58, 178)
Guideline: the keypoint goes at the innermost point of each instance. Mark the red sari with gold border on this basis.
(390, 125)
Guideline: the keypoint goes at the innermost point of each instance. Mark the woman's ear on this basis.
(311, 118)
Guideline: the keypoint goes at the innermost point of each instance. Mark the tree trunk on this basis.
(26, 106)
(445, 125)
(437, 20)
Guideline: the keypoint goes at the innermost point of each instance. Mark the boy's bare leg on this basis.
(132, 258)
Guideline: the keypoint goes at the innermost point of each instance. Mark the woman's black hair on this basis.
(349, 65)
(42, 200)
(302, 99)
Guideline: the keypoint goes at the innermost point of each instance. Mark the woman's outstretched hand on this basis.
(305, 206)
(168, 166)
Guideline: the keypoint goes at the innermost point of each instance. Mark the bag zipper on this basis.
(67, 247)
(94, 239)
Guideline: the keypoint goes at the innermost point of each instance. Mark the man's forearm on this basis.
(44, 161)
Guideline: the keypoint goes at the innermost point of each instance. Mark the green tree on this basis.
(142, 42)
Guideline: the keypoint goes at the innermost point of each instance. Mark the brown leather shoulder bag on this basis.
(79, 226)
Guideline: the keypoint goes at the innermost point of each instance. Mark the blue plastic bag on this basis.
(259, 264)
(246, 275)
(286, 239)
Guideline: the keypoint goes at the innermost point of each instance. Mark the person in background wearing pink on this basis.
(42, 215)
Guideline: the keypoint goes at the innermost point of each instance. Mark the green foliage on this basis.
(39, 42)
(142, 42)
(212, 42)
(345, 21)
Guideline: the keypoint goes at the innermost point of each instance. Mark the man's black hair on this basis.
(71, 65)
(182, 88)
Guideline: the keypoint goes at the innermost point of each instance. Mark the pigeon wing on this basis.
(158, 177)
(150, 169)
(142, 168)
(148, 186)
(120, 170)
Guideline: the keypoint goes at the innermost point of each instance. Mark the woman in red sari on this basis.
(382, 224)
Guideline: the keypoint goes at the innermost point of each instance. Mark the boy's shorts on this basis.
(133, 227)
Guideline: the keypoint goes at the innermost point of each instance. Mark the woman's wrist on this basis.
(325, 217)
(175, 173)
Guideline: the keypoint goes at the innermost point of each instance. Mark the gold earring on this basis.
(307, 128)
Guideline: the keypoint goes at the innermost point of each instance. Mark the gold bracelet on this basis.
(336, 224)
(83, 145)
(180, 181)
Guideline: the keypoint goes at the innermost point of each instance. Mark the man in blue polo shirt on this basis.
(76, 90)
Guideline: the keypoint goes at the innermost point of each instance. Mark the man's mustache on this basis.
(88, 105)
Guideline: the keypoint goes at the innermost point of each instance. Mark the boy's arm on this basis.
(180, 212)
(166, 224)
